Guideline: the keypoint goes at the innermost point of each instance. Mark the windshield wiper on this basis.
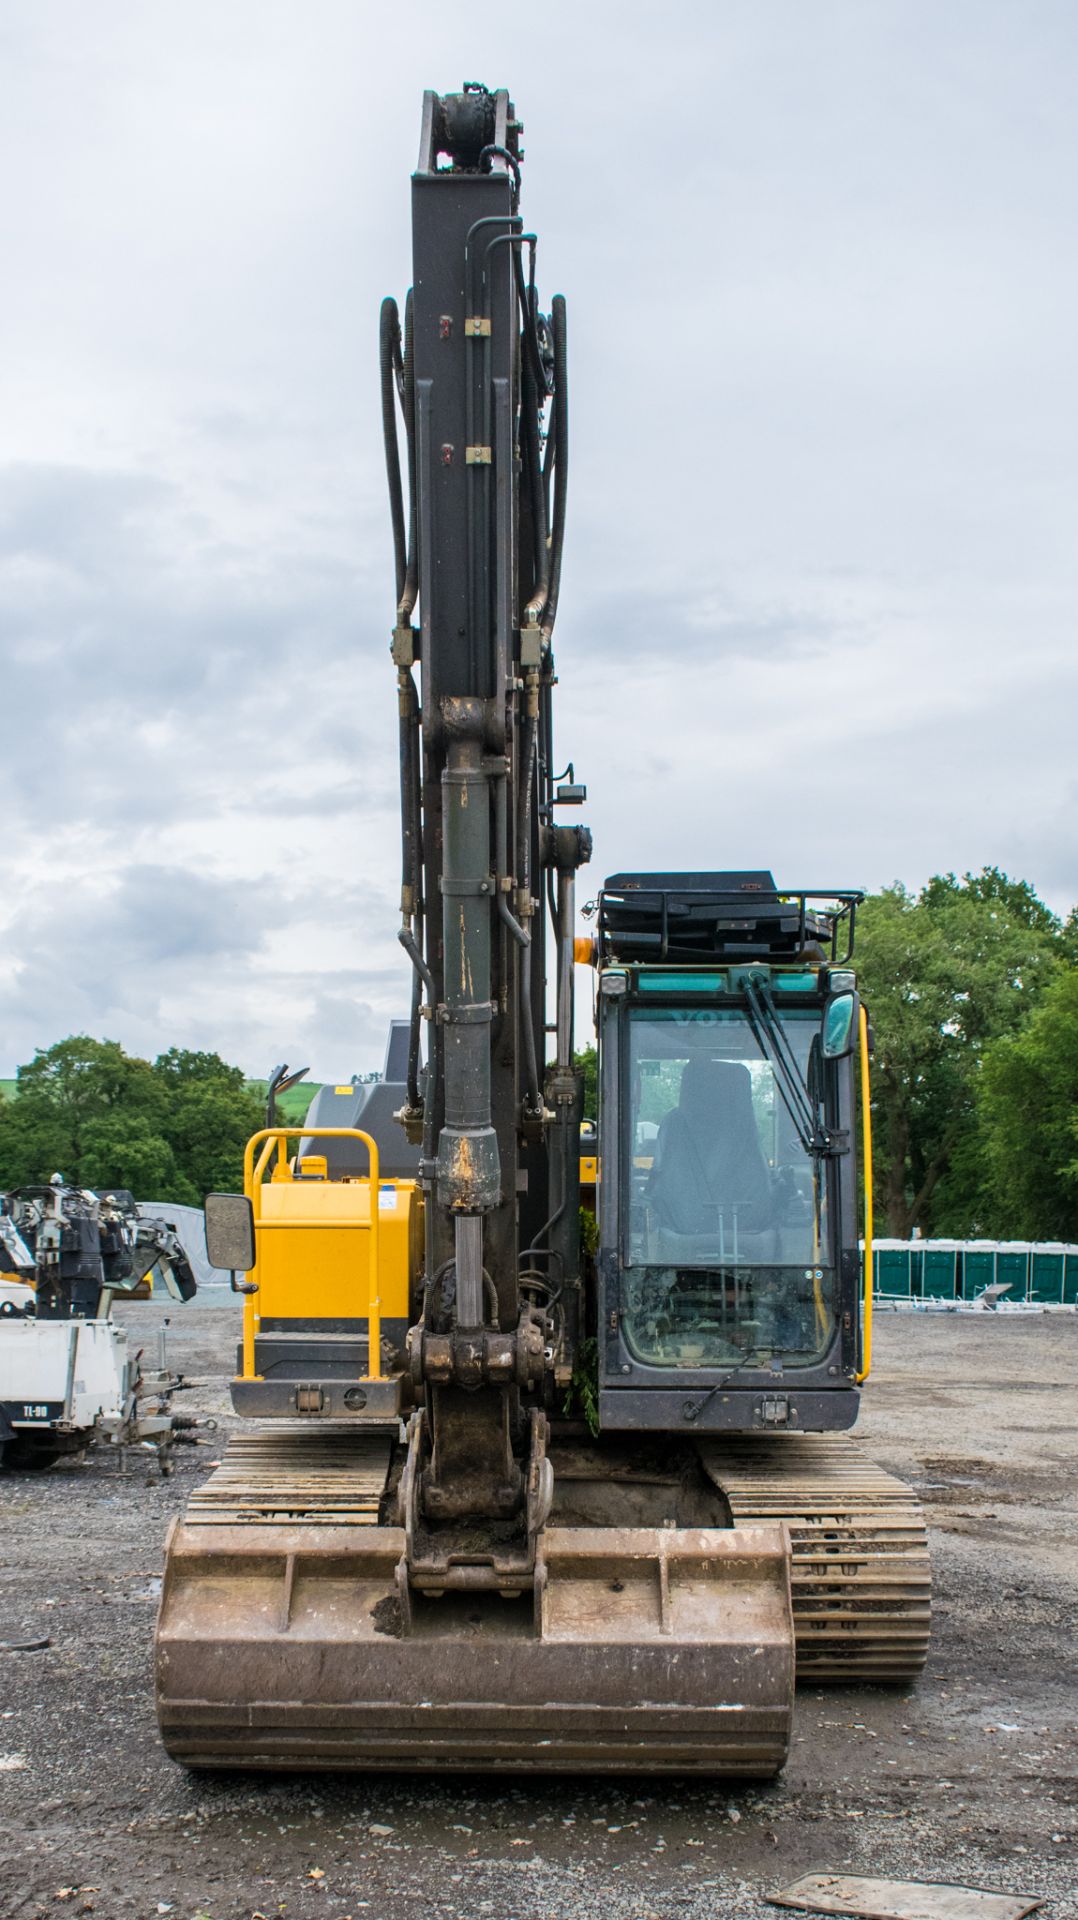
(692, 1409)
(801, 1103)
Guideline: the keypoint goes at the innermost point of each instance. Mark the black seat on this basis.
(708, 1158)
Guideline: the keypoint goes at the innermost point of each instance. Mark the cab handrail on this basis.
(866, 1136)
(253, 1172)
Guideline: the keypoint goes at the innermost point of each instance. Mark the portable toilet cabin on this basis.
(893, 1265)
(1012, 1263)
(939, 1274)
(1047, 1263)
(978, 1267)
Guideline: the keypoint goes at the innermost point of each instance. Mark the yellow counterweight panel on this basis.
(314, 1264)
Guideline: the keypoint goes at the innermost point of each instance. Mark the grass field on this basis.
(294, 1103)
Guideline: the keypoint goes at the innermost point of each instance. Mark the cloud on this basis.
(818, 603)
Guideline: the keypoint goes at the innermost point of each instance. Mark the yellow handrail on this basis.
(866, 1135)
(252, 1186)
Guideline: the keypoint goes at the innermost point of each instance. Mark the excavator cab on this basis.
(729, 1266)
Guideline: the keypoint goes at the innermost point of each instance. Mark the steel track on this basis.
(860, 1574)
(334, 1476)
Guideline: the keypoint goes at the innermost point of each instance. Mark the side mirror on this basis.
(839, 1026)
(230, 1231)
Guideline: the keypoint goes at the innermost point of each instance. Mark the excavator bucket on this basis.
(638, 1650)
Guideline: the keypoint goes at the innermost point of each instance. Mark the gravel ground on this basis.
(970, 1777)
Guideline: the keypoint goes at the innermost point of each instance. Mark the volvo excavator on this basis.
(536, 1475)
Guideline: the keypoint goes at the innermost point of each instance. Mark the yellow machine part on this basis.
(311, 1259)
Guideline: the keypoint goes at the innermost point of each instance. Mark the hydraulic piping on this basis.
(561, 461)
(389, 343)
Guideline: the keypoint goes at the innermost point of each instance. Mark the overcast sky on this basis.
(819, 601)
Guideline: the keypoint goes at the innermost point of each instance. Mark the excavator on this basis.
(544, 1459)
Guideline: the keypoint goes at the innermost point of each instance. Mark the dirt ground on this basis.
(971, 1777)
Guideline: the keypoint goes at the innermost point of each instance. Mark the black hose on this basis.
(411, 858)
(389, 346)
(531, 329)
(536, 495)
(408, 942)
(524, 825)
(561, 464)
(524, 882)
(407, 704)
(501, 858)
(522, 935)
(502, 153)
(410, 591)
(549, 457)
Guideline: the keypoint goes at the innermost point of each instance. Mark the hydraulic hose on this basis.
(411, 864)
(524, 830)
(521, 935)
(398, 382)
(531, 330)
(533, 476)
(550, 454)
(389, 345)
(561, 463)
(501, 855)
(410, 591)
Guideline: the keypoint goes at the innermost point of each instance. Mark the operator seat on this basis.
(708, 1156)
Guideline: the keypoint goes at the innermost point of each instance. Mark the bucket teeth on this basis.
(281, 1641)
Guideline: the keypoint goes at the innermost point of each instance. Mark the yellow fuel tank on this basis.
(314, 1248)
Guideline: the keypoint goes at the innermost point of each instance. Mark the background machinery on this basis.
(621, 1508)
(67, 1375)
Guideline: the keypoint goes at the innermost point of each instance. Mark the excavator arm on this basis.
(481, 380)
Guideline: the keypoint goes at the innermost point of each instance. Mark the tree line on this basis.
(171, 1129)
(972, 991)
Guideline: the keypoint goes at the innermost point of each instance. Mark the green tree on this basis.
(209, 1116)
(944, 973)
(1027, 1103)
(587, 1062)
(104, 1118)
(66, 1094)
(125, 1150)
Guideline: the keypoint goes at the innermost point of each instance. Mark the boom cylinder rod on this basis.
(469, 1169)
(566, 925)
(468, 1247)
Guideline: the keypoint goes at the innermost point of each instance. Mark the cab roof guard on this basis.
(723, 916)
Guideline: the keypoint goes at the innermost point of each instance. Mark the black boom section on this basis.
(477, 371)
